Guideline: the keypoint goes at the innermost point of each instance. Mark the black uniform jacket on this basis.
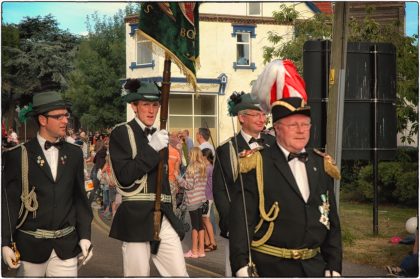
(62, 202)
(222, 173)
(297, 225)
(133, 221)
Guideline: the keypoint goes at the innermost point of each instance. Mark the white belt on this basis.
(47, 234)
(147, 197)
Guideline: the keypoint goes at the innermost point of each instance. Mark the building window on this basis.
(243, 48)
(144, 50)
(244, 35)
(186, 111)
(254, 9)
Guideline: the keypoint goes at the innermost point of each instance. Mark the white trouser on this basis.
(53, 267)
(228, 269)
(169, 260)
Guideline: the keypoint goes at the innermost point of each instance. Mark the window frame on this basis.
(249, 8)
(193, 114)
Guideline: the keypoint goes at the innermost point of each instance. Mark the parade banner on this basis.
(173, 27)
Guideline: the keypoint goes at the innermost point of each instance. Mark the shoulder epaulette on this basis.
(330, 166)
(248, 160)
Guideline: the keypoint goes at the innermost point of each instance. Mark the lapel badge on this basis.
(325, 210)
(63, 159)
(40, 161)
(315, 169)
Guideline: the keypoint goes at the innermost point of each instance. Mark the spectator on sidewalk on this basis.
(195, 185)
(209, 240)
(203, 136)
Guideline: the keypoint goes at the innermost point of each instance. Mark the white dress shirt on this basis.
(51, 155)
(247, 138)
(143, 127)
(299, 172)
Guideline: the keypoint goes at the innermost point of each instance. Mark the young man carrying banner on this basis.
(134, 155)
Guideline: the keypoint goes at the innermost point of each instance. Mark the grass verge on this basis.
(359, 243)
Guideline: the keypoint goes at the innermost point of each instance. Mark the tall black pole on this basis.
(375, 140)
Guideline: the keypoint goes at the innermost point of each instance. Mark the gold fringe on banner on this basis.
(190, 76)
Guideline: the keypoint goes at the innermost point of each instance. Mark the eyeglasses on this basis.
(58, 116)
(256, 115)
(296, 126)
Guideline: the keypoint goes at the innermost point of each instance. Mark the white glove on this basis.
(331, 273)
(9, 256)
(85, 244)
(242, 272)
(159, 140)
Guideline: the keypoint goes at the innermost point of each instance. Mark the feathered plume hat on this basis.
(281, 90)
(134, 90)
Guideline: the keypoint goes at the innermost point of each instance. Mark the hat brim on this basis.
(279, 112)
(242, 107)
(49, 107)
(132, 97)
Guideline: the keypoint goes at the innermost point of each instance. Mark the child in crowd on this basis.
(209, 240)
(195, 185)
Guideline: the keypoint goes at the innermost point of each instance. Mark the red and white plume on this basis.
(278, 80)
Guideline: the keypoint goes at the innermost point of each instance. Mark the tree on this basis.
(319, 27)
(36, 56)
(94, 85)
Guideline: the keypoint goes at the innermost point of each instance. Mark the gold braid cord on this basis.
(29, 200)
(247, 164)
(142, 182)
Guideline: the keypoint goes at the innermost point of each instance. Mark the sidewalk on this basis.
(215, 260)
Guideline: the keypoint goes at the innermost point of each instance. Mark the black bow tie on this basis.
(57, 144)
(260, 141)
(302, 156)
(149, 131)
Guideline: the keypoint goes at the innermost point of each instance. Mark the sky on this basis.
(72, 15)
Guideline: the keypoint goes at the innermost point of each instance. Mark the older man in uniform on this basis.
(134, 153)
(293, 224)
(46, 173)
(225, 173)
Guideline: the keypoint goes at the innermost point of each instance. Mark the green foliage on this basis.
(397, 182)
(94, 86)
(36, 56)
(406, 191)
(368, 30)
(286, 15)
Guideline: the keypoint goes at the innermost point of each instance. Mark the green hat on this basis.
(241, 101)
(289, 106)
(46, 101)
(135, 90)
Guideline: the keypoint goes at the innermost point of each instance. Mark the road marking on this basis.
(212, 274)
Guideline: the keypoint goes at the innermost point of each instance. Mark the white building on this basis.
(232, 37)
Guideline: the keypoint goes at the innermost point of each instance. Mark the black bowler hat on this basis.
(47, 101)
(134, 90)
(289, 106)
(241, 101)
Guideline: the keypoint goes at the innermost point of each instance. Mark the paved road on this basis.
(107, 259)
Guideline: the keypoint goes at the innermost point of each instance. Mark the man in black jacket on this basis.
(47, 173)
(134, 153)
(225, 173)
